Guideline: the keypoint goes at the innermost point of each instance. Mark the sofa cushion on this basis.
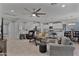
(61, 50)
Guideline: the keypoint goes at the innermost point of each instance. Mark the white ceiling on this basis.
(53, 12)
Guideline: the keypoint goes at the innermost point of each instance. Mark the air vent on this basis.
(53, 3)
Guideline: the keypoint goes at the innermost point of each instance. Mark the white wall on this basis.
(15, 28)
(12, 30)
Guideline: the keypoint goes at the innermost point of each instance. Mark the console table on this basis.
(3, 47)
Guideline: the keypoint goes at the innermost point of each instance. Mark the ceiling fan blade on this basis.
(27, 10)
(37, 15)
(38, 10)
(41, 13)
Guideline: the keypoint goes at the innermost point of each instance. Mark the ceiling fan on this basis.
(35, 12)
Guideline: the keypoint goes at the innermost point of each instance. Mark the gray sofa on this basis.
(66, 48)
(61, 50)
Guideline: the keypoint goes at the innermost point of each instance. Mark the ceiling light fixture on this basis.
(63, 6)
(12, 10)
(33, 15)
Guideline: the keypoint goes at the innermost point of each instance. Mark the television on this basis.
(1, 29)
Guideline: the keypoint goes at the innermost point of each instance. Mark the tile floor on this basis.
(24, 48)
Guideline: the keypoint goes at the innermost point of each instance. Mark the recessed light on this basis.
(63, 6)
(12, 10)
(33, 15)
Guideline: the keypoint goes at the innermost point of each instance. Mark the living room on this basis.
(39, 29)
